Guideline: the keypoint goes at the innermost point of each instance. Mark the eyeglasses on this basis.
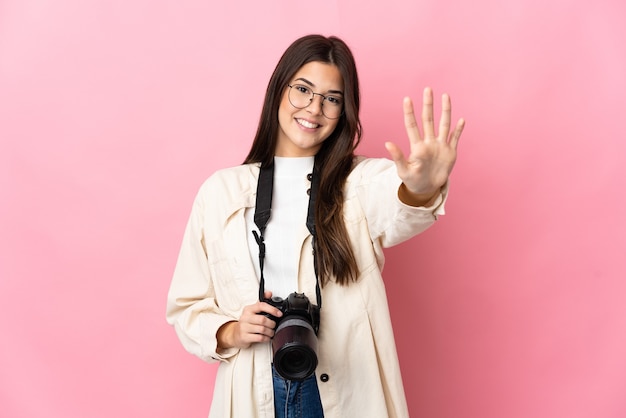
(301, 96)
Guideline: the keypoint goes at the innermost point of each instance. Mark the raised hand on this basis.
(432, 154)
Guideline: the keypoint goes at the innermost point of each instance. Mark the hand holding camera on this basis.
(256, 324)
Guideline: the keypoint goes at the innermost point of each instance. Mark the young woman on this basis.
(332, 213)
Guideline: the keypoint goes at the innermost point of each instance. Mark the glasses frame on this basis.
(313, 94)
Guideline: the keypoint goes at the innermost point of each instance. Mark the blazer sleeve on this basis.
(192, 306)
(390, 221)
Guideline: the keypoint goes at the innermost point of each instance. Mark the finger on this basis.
(410, 123)
(250, 339)
(427, 113)
(250, 331)
(395, 153)
(261, 319)
(444, 121)
(265, 307)
(456, 135)
(256, 313)
(257, 324)
(262, 330)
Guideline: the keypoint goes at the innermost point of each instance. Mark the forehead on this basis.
(320, 75)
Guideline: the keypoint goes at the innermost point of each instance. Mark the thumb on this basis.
(395, 153)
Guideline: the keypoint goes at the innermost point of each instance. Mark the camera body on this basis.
(296, 304)
(295, 339)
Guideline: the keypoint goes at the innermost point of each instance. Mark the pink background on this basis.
(113, 112)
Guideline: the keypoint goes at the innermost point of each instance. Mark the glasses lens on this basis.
(333, 106)
(300, 96)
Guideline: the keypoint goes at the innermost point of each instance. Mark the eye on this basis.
(334, 100)
(302, 89)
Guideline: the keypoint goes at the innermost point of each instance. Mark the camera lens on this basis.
(295, 349)
(297, 362)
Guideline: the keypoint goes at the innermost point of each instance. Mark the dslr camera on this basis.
(295, 339)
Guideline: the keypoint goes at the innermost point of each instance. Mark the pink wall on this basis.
(113, 112)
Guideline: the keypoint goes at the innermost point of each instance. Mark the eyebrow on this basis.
(304, 80)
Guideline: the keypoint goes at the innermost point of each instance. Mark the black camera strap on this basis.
(263, 212)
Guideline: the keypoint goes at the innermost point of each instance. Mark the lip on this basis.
(304, 122)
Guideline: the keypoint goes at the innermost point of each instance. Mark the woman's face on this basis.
(301, 132)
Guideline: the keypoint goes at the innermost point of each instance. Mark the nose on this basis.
(316, 105)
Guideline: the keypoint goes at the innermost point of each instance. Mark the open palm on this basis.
(432, 154)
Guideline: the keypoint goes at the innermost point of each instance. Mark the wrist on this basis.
(224, 336)
(417, 199)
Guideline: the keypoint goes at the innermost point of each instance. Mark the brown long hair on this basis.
(335, 158)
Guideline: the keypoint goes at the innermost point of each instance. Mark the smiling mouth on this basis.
(307, 124)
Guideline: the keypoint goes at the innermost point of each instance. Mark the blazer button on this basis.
(324, 377)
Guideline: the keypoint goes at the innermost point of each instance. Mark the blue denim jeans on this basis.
(296, 399)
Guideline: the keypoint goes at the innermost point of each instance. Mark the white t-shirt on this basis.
(290, 202)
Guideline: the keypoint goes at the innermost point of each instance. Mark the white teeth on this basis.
(307, 124)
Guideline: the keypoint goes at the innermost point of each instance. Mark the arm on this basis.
(205, 328)
(192, 306)
(416, 200)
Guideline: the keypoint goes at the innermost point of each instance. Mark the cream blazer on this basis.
(358, 372)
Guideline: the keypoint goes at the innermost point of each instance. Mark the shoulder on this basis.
(368, 169)
(239, 177)
(233, 184)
